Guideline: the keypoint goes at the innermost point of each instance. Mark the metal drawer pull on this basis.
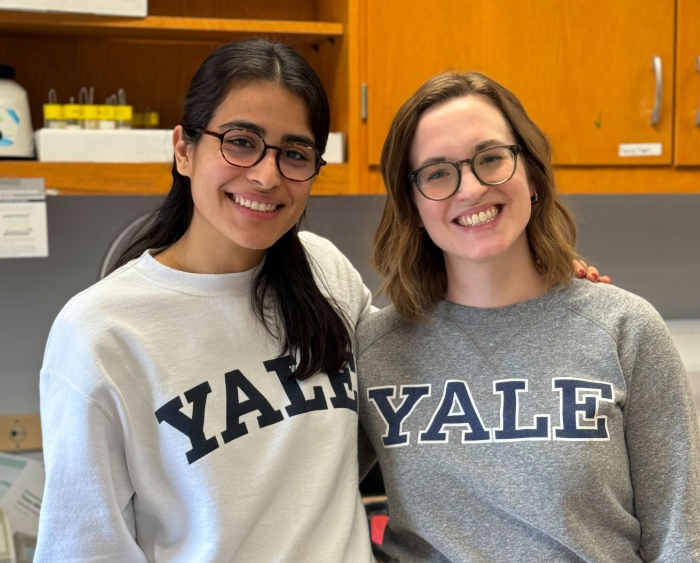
(697, 115)
(656, 66)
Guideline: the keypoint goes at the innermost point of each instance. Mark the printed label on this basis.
(91, 112)
(639, 149)
(53, 111)
(107, 113)
(124, 113)
(73, 111)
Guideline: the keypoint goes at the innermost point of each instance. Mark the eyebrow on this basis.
(478, 147)
(489, 143)
(250, 126)
(303, 139)
(242, 124)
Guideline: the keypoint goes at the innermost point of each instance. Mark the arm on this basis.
(663, 442)
(87, 513)
(367, 457)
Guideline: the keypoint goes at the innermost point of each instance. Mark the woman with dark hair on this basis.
(181, 420)
(517, 414)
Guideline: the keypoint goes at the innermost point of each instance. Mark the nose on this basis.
(265, 174)
(470, 188)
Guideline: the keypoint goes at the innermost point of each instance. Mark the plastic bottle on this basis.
(16, 132)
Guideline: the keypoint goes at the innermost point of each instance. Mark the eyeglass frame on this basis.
(320, 162)
(514, 149)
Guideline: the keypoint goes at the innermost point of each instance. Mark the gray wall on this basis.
(650, 245)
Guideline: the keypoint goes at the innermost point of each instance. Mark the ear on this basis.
(183, 152)
(419, 221)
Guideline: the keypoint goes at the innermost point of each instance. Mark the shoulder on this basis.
(376, 326)
(324, 255)
(336, 276)
(85, 343)
(613, 309)
(113, 294)
(323, 250)
(92, 318)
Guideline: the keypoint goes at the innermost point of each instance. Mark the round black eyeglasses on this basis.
(242, 148)
(491, 166)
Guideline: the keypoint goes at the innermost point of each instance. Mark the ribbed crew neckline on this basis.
(524, 309)
(208, 284)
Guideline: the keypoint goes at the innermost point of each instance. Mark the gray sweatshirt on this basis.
(560, 429)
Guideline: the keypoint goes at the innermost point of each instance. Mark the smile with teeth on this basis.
(481, 218)
(254, 205)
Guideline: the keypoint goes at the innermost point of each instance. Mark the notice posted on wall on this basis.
(23, 223)
(21, 493)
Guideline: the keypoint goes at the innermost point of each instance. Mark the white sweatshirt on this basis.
(169, 436)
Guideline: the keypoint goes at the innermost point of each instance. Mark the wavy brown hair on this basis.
(411, 263)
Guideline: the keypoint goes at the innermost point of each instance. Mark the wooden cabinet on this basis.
(154, 59)
(583, 70)
(687, 123)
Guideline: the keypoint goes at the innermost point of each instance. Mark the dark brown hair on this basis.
(412, 265)
(285, 296)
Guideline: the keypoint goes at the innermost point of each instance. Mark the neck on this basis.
(204, 250)
(510, 277)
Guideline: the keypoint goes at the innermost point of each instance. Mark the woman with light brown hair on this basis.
(517, 413)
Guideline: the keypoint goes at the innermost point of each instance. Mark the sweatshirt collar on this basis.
(206, 284)
(525, 309)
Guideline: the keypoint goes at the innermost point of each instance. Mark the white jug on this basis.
(16, 132)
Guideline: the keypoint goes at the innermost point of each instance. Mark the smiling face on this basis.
(246, 210)
(479, 222)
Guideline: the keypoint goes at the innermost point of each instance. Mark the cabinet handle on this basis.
(656, 66)
(363, 101)
(697, 115)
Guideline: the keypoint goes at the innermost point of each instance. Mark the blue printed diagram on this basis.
(9, 125)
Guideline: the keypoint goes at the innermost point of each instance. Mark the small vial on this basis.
(151, 119)
(125, 113)
(73, 114)
(53, 112)
(107, 113)
(90, 111)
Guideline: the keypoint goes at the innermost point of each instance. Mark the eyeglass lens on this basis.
(295, 161)
(491, 167)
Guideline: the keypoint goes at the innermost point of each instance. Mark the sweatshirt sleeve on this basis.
(87, 512)
(338, 277)
(663, 441)
(367, 457)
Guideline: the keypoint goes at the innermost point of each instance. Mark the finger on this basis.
(605, 279)
(579, 269)
(592, 274)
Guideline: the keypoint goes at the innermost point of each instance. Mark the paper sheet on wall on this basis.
(11, 468)
(23, 223)
(20, 505)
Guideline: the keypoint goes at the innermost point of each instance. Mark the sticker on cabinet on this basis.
(639, 149)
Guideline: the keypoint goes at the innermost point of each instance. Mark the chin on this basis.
(255, 243)
(481, 252)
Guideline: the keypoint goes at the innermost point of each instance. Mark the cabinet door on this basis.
(688, 83)
(583, 70)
